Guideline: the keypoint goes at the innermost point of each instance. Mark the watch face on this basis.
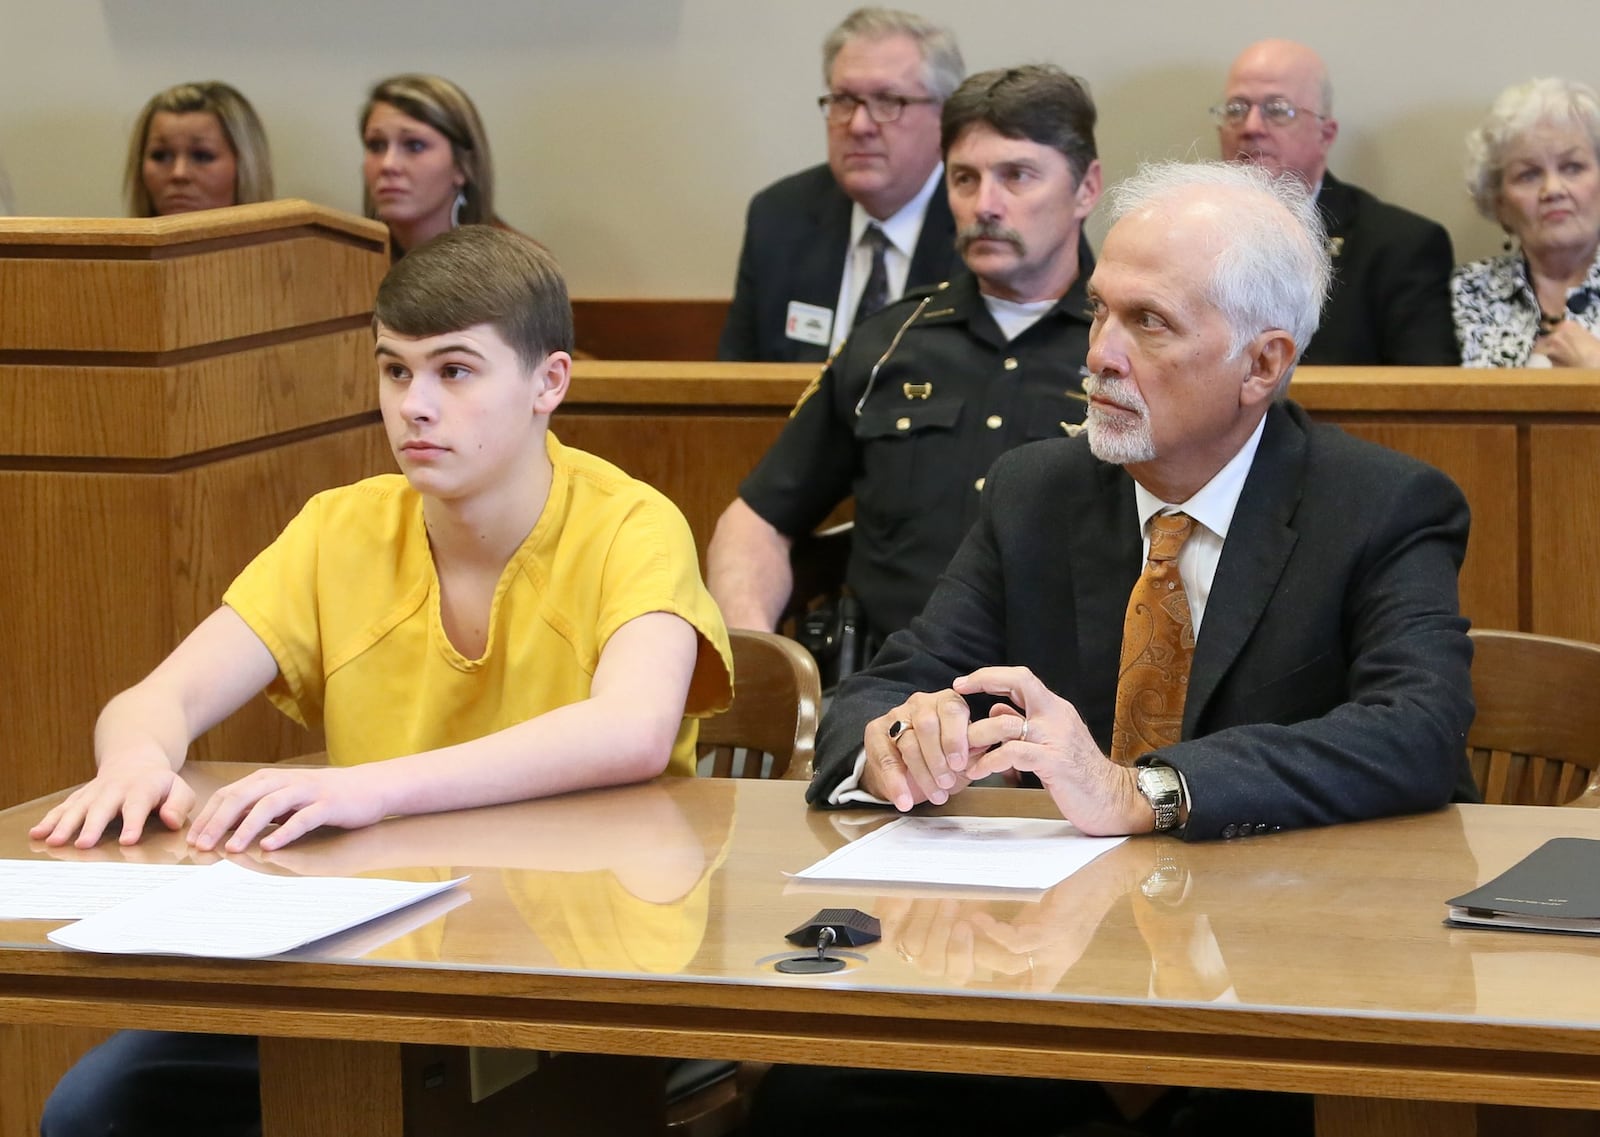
(1163, 789)
(1158, 781)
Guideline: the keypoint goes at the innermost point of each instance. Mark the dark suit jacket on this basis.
(1391, 285)
(1330, 678)
(795, 239)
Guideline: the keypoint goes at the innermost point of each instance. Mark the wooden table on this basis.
(643, 921)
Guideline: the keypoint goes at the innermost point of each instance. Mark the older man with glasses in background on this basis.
(926, 394)
(827, 247)
(1390, 302)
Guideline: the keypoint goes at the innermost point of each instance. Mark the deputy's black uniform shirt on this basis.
(951, 397)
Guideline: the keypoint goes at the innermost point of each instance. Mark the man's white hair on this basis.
(1271, 268)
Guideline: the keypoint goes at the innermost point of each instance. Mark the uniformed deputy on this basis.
(923, 397)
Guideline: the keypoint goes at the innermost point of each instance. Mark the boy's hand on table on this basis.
(129, 789)
(298, 800)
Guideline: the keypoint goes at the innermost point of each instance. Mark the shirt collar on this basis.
(1509, 274)
(1511, 278)
(1213, 504)
(904, 227)
(1591, 283)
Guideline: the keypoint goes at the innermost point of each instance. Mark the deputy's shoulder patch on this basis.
(813, 386)
(922, 291)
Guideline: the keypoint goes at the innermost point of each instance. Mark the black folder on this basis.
(1555, 888)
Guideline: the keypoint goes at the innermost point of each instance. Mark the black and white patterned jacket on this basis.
(1497, 312)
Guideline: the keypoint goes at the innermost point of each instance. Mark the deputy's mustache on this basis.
(989, 231)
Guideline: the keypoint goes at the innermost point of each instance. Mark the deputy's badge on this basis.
(917, 390)
(1335, 246)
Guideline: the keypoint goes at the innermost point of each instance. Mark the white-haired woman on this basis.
(1534, 167)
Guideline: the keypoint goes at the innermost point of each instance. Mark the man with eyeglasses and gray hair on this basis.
(1390, 303)
(923, 397)
(827, 247)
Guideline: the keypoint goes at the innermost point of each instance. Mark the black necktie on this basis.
(876, 294)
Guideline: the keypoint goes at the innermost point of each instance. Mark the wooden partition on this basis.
(1523, 445)
(175, 388)
(649, 329)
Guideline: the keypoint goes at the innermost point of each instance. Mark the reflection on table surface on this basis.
(685, 878)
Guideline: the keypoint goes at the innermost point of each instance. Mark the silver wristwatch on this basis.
(1163, 789)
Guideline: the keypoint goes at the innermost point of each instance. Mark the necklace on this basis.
(1577, 304)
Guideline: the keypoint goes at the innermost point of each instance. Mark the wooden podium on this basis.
(175, 389)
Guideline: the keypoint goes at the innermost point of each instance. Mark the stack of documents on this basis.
(1019, 853)
(219, 910)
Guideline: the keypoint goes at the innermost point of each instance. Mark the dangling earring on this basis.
(461, 202)
(1508, 244)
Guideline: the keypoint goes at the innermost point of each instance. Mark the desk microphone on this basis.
(849, 926)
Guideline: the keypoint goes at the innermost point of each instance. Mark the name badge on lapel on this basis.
(809, 323)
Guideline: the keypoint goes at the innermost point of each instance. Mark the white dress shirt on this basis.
(903, 230)
(1212, 508)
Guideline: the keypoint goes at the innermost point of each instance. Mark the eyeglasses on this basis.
(840, 109)
(1277, 111)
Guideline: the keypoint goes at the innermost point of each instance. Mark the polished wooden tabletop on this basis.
(645, 920)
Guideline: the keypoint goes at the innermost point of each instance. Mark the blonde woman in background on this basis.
(427, 167)
(1534, 167)
(196, 146)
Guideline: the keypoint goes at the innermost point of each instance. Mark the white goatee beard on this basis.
(1112, 437)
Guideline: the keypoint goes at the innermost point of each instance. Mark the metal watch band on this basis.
(1163, 789)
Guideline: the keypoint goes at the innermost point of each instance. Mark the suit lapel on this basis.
(1338, 206)
(930, 260)
(1260, 541)
(1104, 532)
(820, 264)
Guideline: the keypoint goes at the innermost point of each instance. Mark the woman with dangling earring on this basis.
(427, 167)
(1534, 167)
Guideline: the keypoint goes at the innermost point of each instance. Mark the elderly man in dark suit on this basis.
(1304, 660)
(828, 246)
(1390, 302)
(1210, 616)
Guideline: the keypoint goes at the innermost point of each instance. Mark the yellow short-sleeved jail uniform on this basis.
(347, 601)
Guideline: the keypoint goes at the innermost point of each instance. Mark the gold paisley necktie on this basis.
(1157, 648)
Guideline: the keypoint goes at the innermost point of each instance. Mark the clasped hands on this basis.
(1569, 344)
(940, 751)
(298, 800)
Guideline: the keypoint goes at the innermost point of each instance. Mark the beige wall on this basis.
(630, 133)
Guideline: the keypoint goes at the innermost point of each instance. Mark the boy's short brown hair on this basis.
(480, 275)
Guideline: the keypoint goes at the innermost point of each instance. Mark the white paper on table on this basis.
(973, 852)
(71, 890)
(230, 912)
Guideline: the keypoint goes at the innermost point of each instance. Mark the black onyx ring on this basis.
(897, 728)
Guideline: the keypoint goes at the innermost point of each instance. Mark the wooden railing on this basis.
(1523, 445)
